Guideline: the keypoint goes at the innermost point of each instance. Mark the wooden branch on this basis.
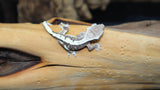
(126, 61)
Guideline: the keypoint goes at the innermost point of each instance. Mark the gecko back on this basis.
(94, 32)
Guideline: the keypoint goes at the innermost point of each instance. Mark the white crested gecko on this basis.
(74, 43)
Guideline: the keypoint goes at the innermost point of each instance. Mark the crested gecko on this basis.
(74, 43)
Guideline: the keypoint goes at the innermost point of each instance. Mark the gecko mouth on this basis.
(12, 61)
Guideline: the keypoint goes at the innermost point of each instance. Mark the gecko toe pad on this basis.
(72, 53)
(98, 46)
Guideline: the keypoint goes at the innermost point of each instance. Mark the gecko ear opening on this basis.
(12, 61)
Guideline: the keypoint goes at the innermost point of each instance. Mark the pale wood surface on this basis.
(126, 61)
(146, 27)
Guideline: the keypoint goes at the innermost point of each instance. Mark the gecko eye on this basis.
(12, 61)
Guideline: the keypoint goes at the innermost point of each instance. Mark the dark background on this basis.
(127, 12)
(116, 12)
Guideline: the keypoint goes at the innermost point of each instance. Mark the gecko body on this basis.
(74, 43)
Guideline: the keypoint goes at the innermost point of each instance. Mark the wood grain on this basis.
(126, 61)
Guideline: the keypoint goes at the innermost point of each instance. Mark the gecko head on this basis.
(97, 25)
(101, 26)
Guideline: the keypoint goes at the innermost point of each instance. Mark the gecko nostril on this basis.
(12, 61)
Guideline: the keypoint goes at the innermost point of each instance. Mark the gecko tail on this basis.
(94, 32)
(49, 30)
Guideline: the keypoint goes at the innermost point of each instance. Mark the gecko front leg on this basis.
(96, 46)
(69, 51)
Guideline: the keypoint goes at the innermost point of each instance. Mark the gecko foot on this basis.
(97, 46)
(72, 53)
(63, 25)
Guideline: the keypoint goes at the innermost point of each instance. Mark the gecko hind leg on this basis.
(65, 28)
(72, 53)
(96, 46)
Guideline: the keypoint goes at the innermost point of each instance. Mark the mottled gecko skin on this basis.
(74, 43)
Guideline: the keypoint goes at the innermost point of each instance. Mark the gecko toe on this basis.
(98, 47)
(69, 54)
(72, 53)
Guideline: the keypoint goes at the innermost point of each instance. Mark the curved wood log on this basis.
(126, 61)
